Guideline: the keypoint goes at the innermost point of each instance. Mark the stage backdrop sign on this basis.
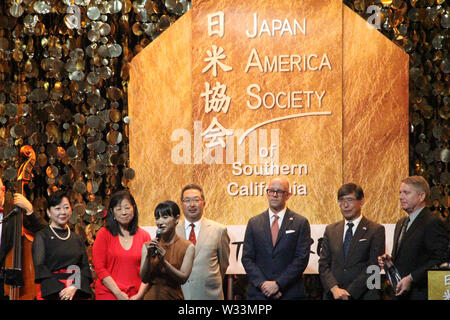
(235, 93)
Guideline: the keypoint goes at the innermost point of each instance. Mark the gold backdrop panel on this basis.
(375, 117)
(305, 141)
(159, 98)
(179, 95)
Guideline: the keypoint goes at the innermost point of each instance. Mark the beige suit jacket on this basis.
(210, 263)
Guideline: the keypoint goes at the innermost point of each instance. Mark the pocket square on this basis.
(361, 240)
(289, 231)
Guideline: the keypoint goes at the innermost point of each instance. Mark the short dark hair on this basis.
(350, 188)
(111, 224)
(193, 186)
(55, 198)
(169, 208)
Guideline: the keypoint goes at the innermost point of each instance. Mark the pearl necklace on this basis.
(60, 238)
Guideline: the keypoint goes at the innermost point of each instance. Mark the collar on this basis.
(414, 215)
(187, 224)
(355, 222)
(280, 214)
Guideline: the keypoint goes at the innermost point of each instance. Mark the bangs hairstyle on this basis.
(167, 208)
(111, 224)
(350, 188)
(56, 198)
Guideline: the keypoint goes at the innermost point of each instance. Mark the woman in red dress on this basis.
(117, 251)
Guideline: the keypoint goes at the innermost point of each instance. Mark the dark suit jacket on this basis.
(367, 244)
(31, 222)
(424, 245)
(283, 263)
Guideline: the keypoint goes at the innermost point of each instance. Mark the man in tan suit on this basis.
(212, 247)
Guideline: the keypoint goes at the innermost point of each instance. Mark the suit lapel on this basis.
(202, 235)
(265, 223)
(287, 220)
(398, 229)
(417, 222)
(339, 238)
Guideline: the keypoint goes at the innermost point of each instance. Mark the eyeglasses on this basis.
(272, 192)
(347, 200)
(193, 200)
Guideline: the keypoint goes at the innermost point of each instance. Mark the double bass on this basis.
(19, 270)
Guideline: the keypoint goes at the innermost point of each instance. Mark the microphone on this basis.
(158, 237)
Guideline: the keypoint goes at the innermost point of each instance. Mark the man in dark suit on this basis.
(30, 222)
(348, 248)
(276, 248)
(420, 241)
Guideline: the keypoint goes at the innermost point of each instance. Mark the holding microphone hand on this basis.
(155, 249)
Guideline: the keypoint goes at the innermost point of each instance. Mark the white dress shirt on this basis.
(355, 225)
(187, 228)
(280, 217)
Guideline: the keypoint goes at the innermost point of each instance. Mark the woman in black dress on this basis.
(60, 260)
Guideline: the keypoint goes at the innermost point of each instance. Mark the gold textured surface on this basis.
(159, 102)
(302, 140)
(163, 98)
(375, 117)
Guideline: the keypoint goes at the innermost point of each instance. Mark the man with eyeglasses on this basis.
(420, 241)
(276, 248)
(212, 247)
(30, 222)
(348, 248)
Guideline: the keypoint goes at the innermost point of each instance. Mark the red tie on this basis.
(274, 229)
(192, 234)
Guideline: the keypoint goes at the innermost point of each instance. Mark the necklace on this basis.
(60, 238)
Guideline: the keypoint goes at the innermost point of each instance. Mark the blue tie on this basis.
(348, 238)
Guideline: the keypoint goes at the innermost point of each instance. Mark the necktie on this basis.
(348, 238)
(192, 234)
(402, 233)
(274, 229)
